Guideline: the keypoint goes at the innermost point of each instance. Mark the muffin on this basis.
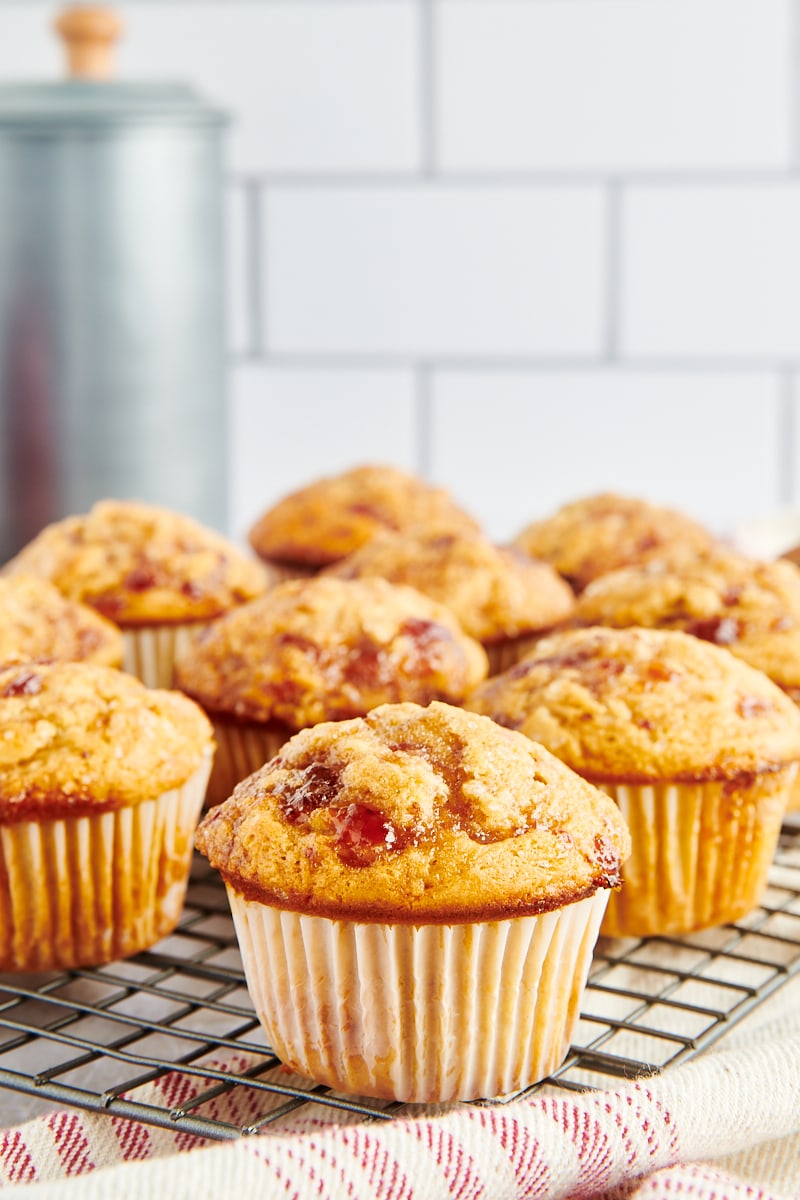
(320, 650)
(500, 596)
(792, 555)
(154, 573)
(332, 517)
(416, 895)
(101, 784)
(698, 749)
(597, 534)
(37, 622)
(752, 608)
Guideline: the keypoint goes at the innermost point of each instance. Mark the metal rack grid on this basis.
(170, 1037)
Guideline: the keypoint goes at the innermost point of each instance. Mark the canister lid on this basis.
(91, 98)
(81, 104)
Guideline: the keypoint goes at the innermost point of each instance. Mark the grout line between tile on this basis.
(560, 177)
(256, 314)
(355, 360)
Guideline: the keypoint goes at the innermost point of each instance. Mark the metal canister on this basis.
(112, 370)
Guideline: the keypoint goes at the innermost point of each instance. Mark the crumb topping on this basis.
(332, 517)
(139, 564)
(415, 813)
(496, 592)
(597, 534)
(79, 738)
(37, 622)
(638, 705)
(326, 649)
(751, 608)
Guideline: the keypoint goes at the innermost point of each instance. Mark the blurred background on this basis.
(528, 248)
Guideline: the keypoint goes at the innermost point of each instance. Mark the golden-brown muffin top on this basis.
(36, 621)
(79, 738)
(639, 705)
(750, 607)
(139, 564)
(324, 649)
(332, 517)
(597, 534)
(496, 592)
(415, 814)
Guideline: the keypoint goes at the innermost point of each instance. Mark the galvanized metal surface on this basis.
(112, 374)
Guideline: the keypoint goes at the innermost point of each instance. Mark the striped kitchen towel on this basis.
(650, 1139)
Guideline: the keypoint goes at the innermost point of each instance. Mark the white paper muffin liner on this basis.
(506, 653)
(242, 747)
(84, 890)
(701, 852)
(149, 651)
(430, 1013)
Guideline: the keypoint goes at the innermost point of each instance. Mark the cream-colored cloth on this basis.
(772, 1162)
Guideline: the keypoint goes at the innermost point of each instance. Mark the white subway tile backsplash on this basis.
(435, 270)
(30, 49)
(312, 86)
(712, 270)
(427, 261)
(289, 426)
(613, 84)
(515, 445)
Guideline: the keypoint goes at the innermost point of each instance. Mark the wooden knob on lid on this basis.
(89, 33)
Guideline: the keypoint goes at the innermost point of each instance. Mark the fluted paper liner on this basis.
(508, 651)
(242, 747)
(89, 889)
(701, 852)
(149, 651)
(419, 1013)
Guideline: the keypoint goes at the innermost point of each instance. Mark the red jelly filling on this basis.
(721, 630)
(24, 683)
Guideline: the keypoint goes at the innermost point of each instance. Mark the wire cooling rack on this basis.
(170, 1038)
